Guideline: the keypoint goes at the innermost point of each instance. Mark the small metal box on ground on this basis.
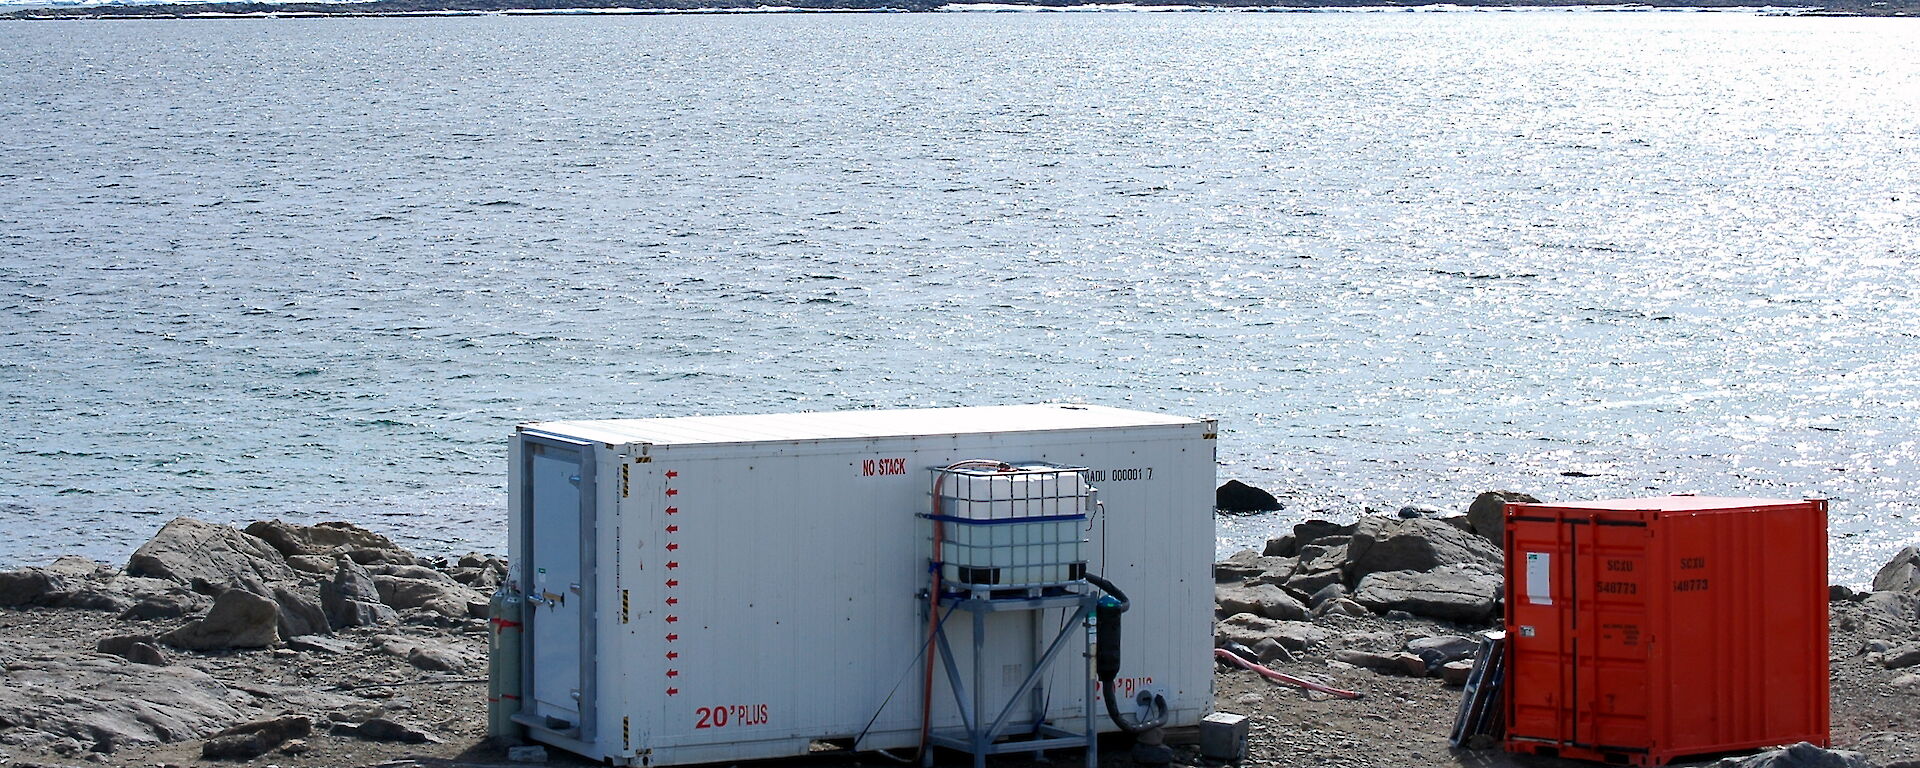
(716, 589)
(1223, 736)
(1642, 630)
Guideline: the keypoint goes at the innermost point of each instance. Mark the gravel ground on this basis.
(1401, 721)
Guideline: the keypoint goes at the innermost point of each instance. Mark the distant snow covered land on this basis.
(1198, 7)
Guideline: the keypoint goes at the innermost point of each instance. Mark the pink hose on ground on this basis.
(1222, 653)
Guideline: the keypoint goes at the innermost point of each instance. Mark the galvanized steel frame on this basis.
(983, 741)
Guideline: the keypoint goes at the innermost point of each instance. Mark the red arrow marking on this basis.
(672, 564)
(671, 638)
(673, 673)
(673, 691)
(672, 619)
(671, 655)
(673, 582)
(673, 510)
(673, 529)
(673, 601)
(672, 547)
(672, 492)
(672, 474)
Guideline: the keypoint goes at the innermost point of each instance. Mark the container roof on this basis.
(853, 425)
(1673, 503)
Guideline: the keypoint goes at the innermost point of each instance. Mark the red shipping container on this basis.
(1641, 630)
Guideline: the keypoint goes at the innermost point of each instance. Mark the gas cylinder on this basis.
(503, 664)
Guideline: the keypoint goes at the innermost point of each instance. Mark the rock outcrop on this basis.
(30, 586)
(1901, 574)
(1451, 592)
(1801, 755)
(351, 599)
(1236, 496)
(195, 553)
(332, 538)
(444, 598)
(250, 740)
(238, 619)
(1487, 514)
(1419, 544)
(1434, 567)
(74, 702)
(1262, 599)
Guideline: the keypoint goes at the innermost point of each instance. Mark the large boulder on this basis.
(330, 538)
(300, 612)
(482, 572)
(1248, 564)
(171, 604)
(75, 566)
(1450, 592)
(1885, 614)
(1340, 606)
(1901, 574)
(1261, 599)
(238, 619)
(420, 572)
(1312, 531)
(250, 740)
(350, 598)
(1246, 629)
(1236, 496)
(444, 598)
(1388, 544)
(101, 703)
(384, 729)
(1487, 515)
(1326, 553)
(429, 654)
(30, 586)
(1899, 657)
(1310, 583)
(1801, 755)
(195, 553)
(1441, 650)
(1249, 630)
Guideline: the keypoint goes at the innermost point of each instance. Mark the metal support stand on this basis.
(979, 737)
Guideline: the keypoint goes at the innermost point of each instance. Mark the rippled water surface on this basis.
(318, 268)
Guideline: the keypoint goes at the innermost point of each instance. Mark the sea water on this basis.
(318, 268)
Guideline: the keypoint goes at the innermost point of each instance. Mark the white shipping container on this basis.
(724, 588)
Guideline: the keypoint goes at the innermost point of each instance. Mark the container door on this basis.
(1540, 637)
(1612, 591)
(559, 521)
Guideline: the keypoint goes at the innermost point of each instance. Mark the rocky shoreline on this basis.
(329, 645)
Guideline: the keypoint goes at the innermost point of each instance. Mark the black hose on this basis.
(1106, 657)
(1109, 588)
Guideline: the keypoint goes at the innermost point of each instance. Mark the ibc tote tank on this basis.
(725, 588)
(1641, 630)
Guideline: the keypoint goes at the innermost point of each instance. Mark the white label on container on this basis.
(1539, 578)
(881, 467)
